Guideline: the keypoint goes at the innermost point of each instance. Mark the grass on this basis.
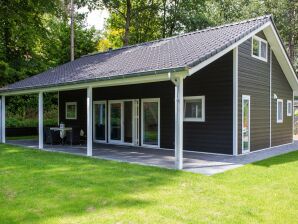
(22, 137)
(43, 187)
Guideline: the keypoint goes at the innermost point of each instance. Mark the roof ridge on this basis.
(182, 34)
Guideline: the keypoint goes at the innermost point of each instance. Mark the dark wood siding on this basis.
(79, 96)
(215, 82)
(282, 133)
(254, 80)
(163, 90)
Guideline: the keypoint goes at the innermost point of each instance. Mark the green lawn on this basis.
(44, 187)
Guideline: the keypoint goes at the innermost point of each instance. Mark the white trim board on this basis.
(235, 101)
(270, 97)
(281, 56)
(276, 45)
(228, 49)
(102, 83)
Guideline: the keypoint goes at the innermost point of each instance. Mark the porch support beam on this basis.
(89, 121)
(40, 120)
(235, 101)
(3, 140)
(179, 123)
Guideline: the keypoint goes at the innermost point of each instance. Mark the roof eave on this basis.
(87, 82)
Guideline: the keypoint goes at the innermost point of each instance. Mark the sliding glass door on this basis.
(99, 121)
(150, 122)
(128, 121)
(123, 121)
(116, 118)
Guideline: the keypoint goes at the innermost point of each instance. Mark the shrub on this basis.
(22, 123)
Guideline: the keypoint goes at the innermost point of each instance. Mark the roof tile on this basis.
(184, 50)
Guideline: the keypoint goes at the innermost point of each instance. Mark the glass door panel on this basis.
(150, 116)
(245, 123)
(128, 121)
(99, 121)
(115, 121)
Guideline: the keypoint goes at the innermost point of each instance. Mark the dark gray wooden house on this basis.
(227, 89)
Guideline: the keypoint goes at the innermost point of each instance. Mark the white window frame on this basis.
(188, 119)
(245, 97)
(66, 110)
(289, 113)
(259, 39)
(106, 125)
(277, 111)
(150, 100)
(134, 122)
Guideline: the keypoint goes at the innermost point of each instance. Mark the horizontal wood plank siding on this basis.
(215, 82)
(79, 96)
(163, 90)
(254, 80)
(282, 133)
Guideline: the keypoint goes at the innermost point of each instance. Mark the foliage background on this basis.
(35, 34)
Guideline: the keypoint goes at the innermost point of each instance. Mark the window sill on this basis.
(259, 58)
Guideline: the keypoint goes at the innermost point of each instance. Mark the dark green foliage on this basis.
(22, 111)
(34, 36)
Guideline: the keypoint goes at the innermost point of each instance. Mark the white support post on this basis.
(235, 101)
(3, 140)
(179, 124)
(270, 98)
(89, 121)
(40, 120)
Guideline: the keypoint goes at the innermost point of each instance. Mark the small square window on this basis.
(259, 48)
(289, 108)
(194, 108)
(71, 110)
(279, 111)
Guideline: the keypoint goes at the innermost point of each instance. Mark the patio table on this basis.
(63, 132)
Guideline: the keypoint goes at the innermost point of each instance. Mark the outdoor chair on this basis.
(51, 137)
(73, 137)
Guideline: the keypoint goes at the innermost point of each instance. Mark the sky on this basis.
(95, 18)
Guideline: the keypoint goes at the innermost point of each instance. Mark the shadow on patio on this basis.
(207, 164)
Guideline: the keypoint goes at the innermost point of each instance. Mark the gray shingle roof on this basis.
(178, 52)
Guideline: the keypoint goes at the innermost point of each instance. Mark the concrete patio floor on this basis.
(207, 164)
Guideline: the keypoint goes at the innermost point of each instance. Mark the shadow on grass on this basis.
(37, 185)
(278, 160)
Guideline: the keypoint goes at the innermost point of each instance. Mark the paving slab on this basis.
(203, 163)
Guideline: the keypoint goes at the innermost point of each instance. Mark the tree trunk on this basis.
(127, 22)
(71, 30)
(292, 31)
(164, 18)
